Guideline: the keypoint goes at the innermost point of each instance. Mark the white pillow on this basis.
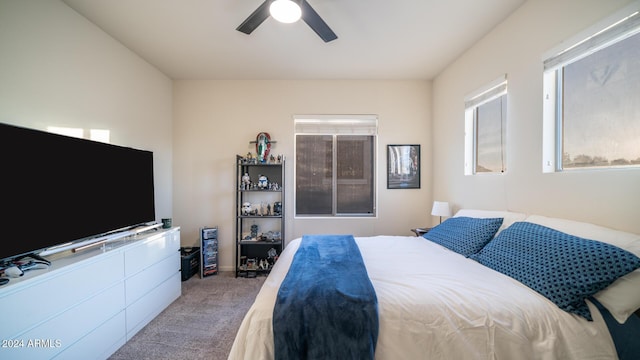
(621, 298)
(508, 217)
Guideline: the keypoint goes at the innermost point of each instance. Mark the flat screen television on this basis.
(56, 189)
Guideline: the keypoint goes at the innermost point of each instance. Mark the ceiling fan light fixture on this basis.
(285, 11)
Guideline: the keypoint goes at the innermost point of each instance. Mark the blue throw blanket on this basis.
(326, 306)
(625, 336)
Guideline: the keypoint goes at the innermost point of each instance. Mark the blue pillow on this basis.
(464, 235)
(566, 269)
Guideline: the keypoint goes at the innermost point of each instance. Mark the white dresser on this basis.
(88, 304)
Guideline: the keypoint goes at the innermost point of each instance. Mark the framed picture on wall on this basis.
(403, 166)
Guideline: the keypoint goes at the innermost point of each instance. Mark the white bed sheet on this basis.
(436, 304)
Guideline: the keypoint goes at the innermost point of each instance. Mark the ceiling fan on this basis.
(299, 9)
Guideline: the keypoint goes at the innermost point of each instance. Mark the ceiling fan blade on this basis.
(316, 23)
(256, 18)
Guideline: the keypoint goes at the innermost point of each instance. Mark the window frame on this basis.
(335, 126)
(472, 102)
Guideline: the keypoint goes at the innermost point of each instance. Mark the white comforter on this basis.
(436, 304)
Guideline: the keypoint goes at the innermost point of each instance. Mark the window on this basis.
(592, 100)
(94, 134)
(335, 165)
(485, 129)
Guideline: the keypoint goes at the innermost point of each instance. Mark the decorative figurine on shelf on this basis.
(272, 159)
(252, 264)
(246, 208)
(277, 208)
(263, 182)
(264, 264)
(272, 254)
(249, 158)
(263, 145)
(254, 231)
(271, 236)
(246, 181)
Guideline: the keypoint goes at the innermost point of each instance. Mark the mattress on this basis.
(434, 303)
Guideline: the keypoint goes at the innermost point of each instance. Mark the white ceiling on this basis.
(377, 39)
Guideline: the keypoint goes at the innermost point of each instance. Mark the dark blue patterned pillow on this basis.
(566, 269)
(464, 235)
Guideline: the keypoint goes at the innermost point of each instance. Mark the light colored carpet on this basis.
(201, 324)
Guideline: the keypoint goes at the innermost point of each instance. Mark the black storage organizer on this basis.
(209, 249)
(190, 261)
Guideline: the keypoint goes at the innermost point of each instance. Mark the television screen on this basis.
(56, 189)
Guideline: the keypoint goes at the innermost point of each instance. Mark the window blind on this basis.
(336, 124)
(620, 30)
(496, 89)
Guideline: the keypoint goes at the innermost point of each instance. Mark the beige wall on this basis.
(516, 47)
(58, 69)
(215, 120)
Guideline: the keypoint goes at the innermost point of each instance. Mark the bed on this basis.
(435, 303)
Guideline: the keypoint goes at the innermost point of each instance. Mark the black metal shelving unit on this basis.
(259, 247)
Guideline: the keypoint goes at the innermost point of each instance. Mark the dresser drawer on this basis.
(146, 308)
(100, 343)
(150, 251)
(56, 292)
(64, 330)
(146, 280)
